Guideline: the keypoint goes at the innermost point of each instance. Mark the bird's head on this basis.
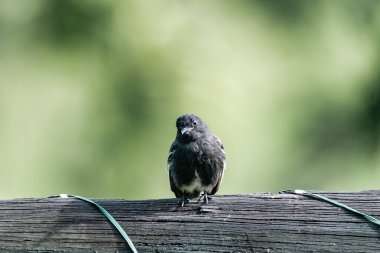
(190, 127)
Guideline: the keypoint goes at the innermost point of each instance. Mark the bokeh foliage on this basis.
(90, 90)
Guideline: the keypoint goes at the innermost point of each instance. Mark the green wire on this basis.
(333, 202)
(109, 217)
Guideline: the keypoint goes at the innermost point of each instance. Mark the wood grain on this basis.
(261, 222)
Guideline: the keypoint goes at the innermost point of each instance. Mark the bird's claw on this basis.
(184, 200)
(205, 198)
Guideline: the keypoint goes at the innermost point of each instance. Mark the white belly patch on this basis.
(196, 185)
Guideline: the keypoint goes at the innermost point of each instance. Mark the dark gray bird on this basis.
(196, 160)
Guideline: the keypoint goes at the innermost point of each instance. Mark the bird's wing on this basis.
(220, 172)
(173, 148)
(220, 178)
(173, 186)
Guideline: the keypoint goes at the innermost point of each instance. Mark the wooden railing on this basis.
(261, 222)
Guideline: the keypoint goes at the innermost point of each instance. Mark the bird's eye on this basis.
(194, 123)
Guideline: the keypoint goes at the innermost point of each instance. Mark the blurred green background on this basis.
(90, 91)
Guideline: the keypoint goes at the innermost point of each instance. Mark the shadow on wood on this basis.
(260, 222)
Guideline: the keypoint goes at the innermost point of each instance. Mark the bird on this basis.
(196, 161)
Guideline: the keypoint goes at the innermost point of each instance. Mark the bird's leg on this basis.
(183, 200)
(205, 198)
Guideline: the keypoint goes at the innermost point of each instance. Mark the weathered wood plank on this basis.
(260, 222)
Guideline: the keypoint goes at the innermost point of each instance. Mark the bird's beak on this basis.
(186, 129)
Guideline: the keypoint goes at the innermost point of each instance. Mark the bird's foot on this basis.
(205, 198)
(184, 200)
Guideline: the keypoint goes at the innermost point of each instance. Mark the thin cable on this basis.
(333, 202)
(108, 216)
